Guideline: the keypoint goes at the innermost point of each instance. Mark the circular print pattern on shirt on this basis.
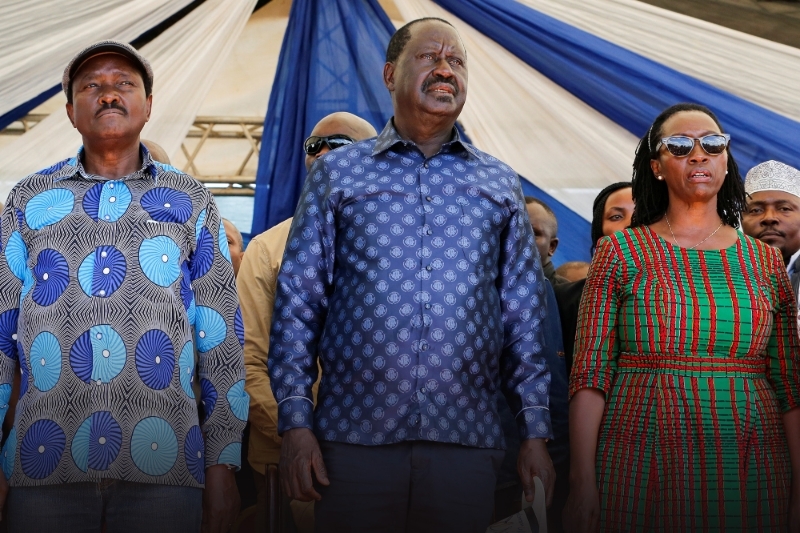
(98, 355)
(52, 277)
(8, 333)
(238, 325)
(80, 445)
(48, 207)
(23, 370)
(199, 224)
(5, 396)
(231, 454)
(107, 201)
(203, 254)
(9, 453)
(159, 258)
(155, 359)
(238, 400)
(105, 440)
(41, 449)
(186, 368)
(164, 204)
(222, 242)
(154, 447)
(210, 328)
(208, 398)
(102, 271)
(17, 255)
(187, 294)
(45, 358)
(194, 453)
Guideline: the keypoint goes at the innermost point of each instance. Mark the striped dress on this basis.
(697, 354)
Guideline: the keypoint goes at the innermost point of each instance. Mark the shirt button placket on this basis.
(426, 237)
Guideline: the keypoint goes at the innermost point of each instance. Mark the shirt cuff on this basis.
(295, 412)
(223, 447)
(534, 423)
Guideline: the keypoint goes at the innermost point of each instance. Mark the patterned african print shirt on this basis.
(417, 284)
(110, 288)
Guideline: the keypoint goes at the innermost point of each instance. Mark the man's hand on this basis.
(300, 455)
(534, 461)
(221, 501)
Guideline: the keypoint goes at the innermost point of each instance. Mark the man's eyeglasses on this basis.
(314, 144)
(681, 145)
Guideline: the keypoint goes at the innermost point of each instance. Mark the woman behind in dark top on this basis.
(611, 211)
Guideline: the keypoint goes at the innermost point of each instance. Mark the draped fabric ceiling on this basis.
(185, 59)
(559, 89)
(38, 38)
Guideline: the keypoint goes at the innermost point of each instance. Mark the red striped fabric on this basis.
(697, 353)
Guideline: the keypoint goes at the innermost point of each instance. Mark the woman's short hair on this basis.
(650, 195)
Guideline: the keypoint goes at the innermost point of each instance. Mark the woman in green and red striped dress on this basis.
(684, 412)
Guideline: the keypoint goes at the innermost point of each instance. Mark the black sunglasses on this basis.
(314, 144)
(681, 145)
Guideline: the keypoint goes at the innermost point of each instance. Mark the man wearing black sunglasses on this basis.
(411, 274)
(256, 286)
(334, 131)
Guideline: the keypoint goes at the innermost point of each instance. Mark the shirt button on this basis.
(427, 306)
(428, 268)
(110, 185)
(429, 198)
(425, 164)
(423, 390)
(429, 231)
(423, 346)
(101, 292)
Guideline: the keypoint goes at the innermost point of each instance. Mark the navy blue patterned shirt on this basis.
(109, 287)
(416, 283)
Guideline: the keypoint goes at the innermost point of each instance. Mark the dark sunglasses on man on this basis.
(314, 144)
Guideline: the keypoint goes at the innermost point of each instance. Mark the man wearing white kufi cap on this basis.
(773, 211)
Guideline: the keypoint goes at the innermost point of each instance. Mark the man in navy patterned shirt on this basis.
(115, 270)
(410, 272)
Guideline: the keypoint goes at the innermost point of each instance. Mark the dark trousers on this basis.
(412, 487)
(125, 507)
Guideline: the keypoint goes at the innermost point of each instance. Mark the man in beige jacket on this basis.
(256, 283)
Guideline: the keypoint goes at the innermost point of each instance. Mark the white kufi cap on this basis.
(773, 176)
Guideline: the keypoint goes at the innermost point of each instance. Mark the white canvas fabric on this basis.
(185, 59)
(761, 71)
(38, 38)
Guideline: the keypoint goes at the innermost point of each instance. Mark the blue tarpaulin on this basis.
(629, 89)
(331, 60)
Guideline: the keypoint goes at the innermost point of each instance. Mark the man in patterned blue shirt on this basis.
(410, 272)
(115, 270)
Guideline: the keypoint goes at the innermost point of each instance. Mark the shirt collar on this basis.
(389, 137)
(790, 268)
(74, 168)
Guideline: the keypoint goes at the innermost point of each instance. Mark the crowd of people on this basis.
(407, 355)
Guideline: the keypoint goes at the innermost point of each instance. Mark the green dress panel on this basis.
(697, 353)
